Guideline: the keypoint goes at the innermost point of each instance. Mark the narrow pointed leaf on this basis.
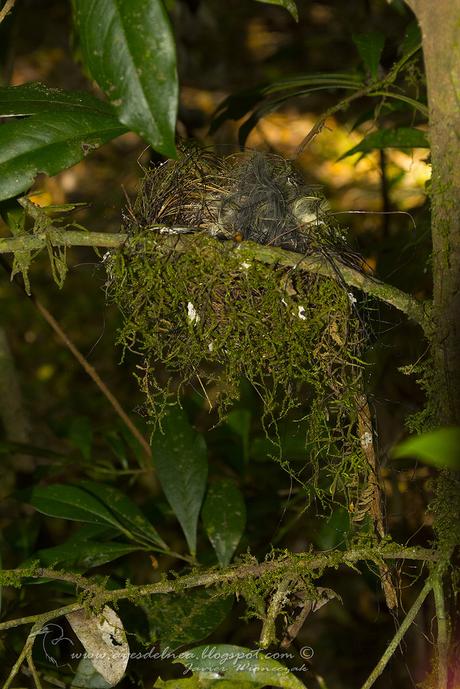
(180, 458)
(404, 137)
(83, 555)
(224, 518)
(128, 47)
(370, 46)
(71, 502)
(125, 511)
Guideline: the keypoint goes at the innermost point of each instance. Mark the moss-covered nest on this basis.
(199, 311)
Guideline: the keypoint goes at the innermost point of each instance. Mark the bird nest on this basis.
(203, 312)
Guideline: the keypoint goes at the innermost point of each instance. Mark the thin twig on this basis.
(413, 308)
(84, 363)
(33, 670)
(321, 121)
(6, 9)
(25, 653)
(396, 640)
(91, 371)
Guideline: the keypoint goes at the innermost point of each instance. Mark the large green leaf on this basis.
(289, 5)
(224, 518)
(370, 47)
(403, 137)
(34, 98)
(83, 555)
(238, 664)
(129, 50)
(184, 618)
(440, 449)
(180, 458)
(49, 142)
(71, 502)
(125, 511)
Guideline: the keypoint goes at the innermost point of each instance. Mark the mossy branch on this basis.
(413, 308)
(282, 566)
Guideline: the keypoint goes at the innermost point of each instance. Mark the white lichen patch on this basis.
(366, 439)
(192, 314)
(352, 298)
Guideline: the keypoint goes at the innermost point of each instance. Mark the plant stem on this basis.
(25, 653)
(396, 640)
(6, 9)
(443, 630)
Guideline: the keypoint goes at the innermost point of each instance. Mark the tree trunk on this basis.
(440, 25)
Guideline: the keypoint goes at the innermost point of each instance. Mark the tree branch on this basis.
(283, 565)
(414, 309)
(6, 9)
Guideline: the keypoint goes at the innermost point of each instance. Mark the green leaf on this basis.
(289, 5)
(238, 664)
(184, 618)
(128, 47)
(412, 38)
(125, 511)
(235, 106)
(440, 449)
(224, 518)
(370, 46)
(93, 532)
(71, 502)
(83, 555)
(403, 137)
(49, 142)
(180, 458)
(81, 435)
(34, 98)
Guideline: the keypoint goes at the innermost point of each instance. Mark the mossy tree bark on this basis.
(439, 21)
(440, 25)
